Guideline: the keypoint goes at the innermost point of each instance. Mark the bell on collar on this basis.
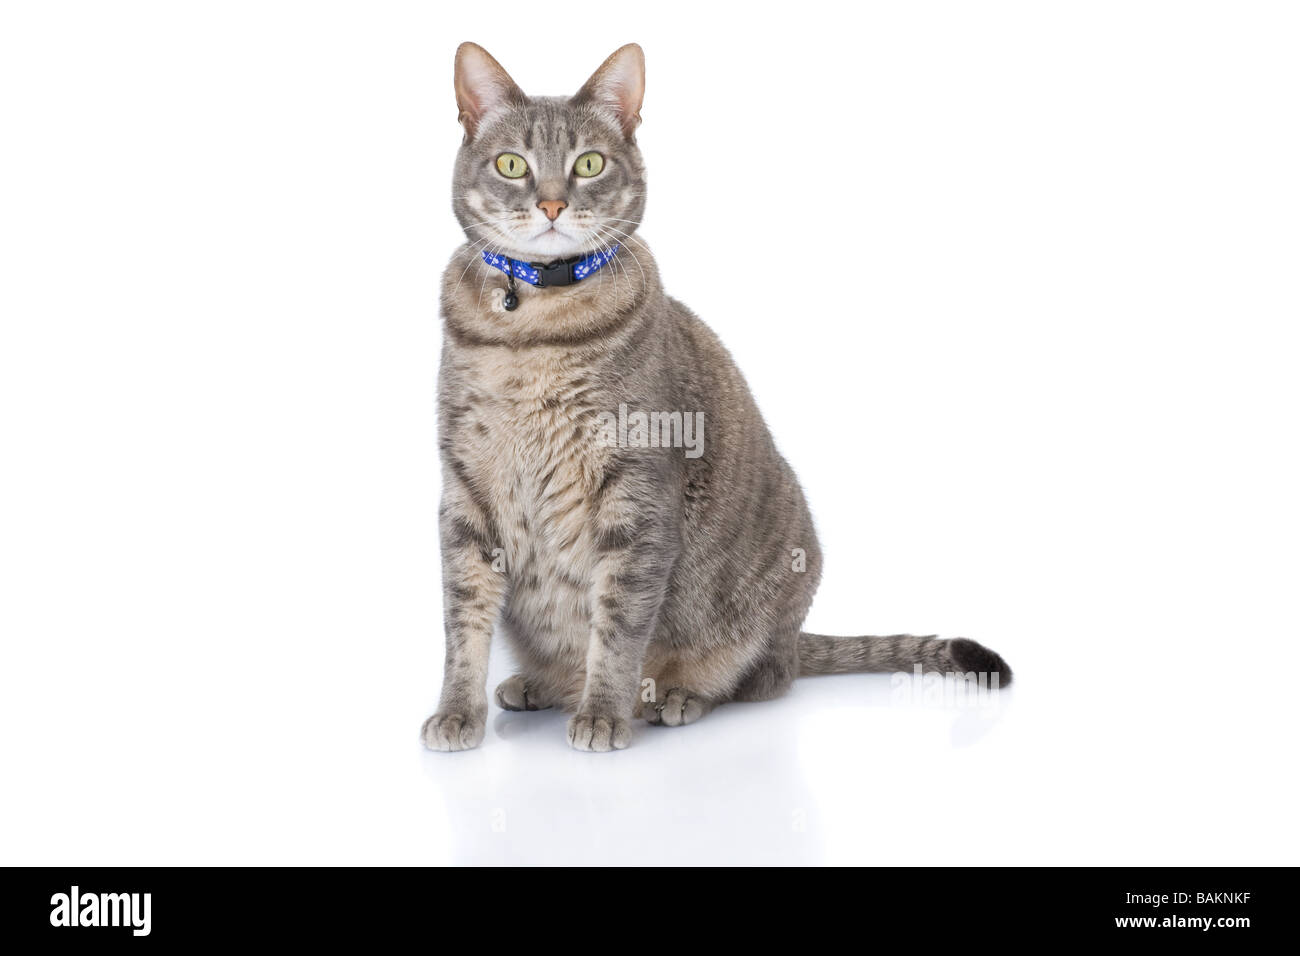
(511, 301)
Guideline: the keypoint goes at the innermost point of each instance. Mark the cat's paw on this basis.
(513, 693)
(598, 732)
(678, 708)
(453, 731)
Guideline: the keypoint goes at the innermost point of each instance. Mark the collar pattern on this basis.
(560, 272)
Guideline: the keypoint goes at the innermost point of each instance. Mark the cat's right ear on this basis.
(482, 87)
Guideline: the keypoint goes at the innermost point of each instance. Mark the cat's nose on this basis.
(551, 207)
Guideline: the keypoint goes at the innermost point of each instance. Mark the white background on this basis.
(1021, 311)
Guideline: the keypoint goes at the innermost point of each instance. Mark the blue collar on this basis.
(560, 272)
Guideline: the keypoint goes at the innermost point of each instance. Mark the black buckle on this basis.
(553, 273)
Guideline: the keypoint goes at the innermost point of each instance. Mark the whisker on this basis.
(497, 248)
(629, 236)
(487, 272)
(630, 239)
(616, 263)
(622, 264)
(602, 246)
(487, 222)
(474, 255)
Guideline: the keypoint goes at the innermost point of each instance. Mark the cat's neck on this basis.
(473, 300)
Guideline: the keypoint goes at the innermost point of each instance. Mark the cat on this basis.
(632, 578)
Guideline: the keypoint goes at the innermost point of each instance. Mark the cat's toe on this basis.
(513, 694)
(598, 732)
(453, 731)
(678, 708)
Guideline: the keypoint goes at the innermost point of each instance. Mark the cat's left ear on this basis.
(618, 86)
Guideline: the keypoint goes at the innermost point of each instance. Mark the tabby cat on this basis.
(637, 570)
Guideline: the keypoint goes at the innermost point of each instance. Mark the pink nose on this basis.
(551, 207)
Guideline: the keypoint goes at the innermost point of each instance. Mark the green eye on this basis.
(589, 164)
(511, 165)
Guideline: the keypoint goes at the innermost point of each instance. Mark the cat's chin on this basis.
(553, 244)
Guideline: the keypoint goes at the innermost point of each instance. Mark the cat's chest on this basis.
(526, 429)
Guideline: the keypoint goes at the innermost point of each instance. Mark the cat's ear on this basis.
(482, 87)
(618, 86)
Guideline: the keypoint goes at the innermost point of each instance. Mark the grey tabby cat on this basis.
(631, 581)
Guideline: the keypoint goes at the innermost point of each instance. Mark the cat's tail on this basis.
(819, 654)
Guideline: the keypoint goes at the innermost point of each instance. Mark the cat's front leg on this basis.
(473, 591)
(635, 557)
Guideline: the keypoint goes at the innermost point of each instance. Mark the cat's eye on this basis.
(589, 164)
(511, 165)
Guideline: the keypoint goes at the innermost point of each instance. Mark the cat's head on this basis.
(544, 178)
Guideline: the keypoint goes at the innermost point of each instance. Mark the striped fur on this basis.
(630, 581)
(819, 654)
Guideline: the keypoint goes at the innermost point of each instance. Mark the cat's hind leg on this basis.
(518, 693)
(770, 676)
(682, 685)
(677, 708)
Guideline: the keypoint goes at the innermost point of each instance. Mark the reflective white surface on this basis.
(843, 772)
(326, 767)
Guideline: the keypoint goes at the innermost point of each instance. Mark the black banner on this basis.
(141, 907)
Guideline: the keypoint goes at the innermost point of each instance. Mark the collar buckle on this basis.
(554, 273)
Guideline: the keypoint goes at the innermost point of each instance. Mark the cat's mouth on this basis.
(553, 241)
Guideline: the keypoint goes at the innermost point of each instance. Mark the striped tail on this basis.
(819, 654)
